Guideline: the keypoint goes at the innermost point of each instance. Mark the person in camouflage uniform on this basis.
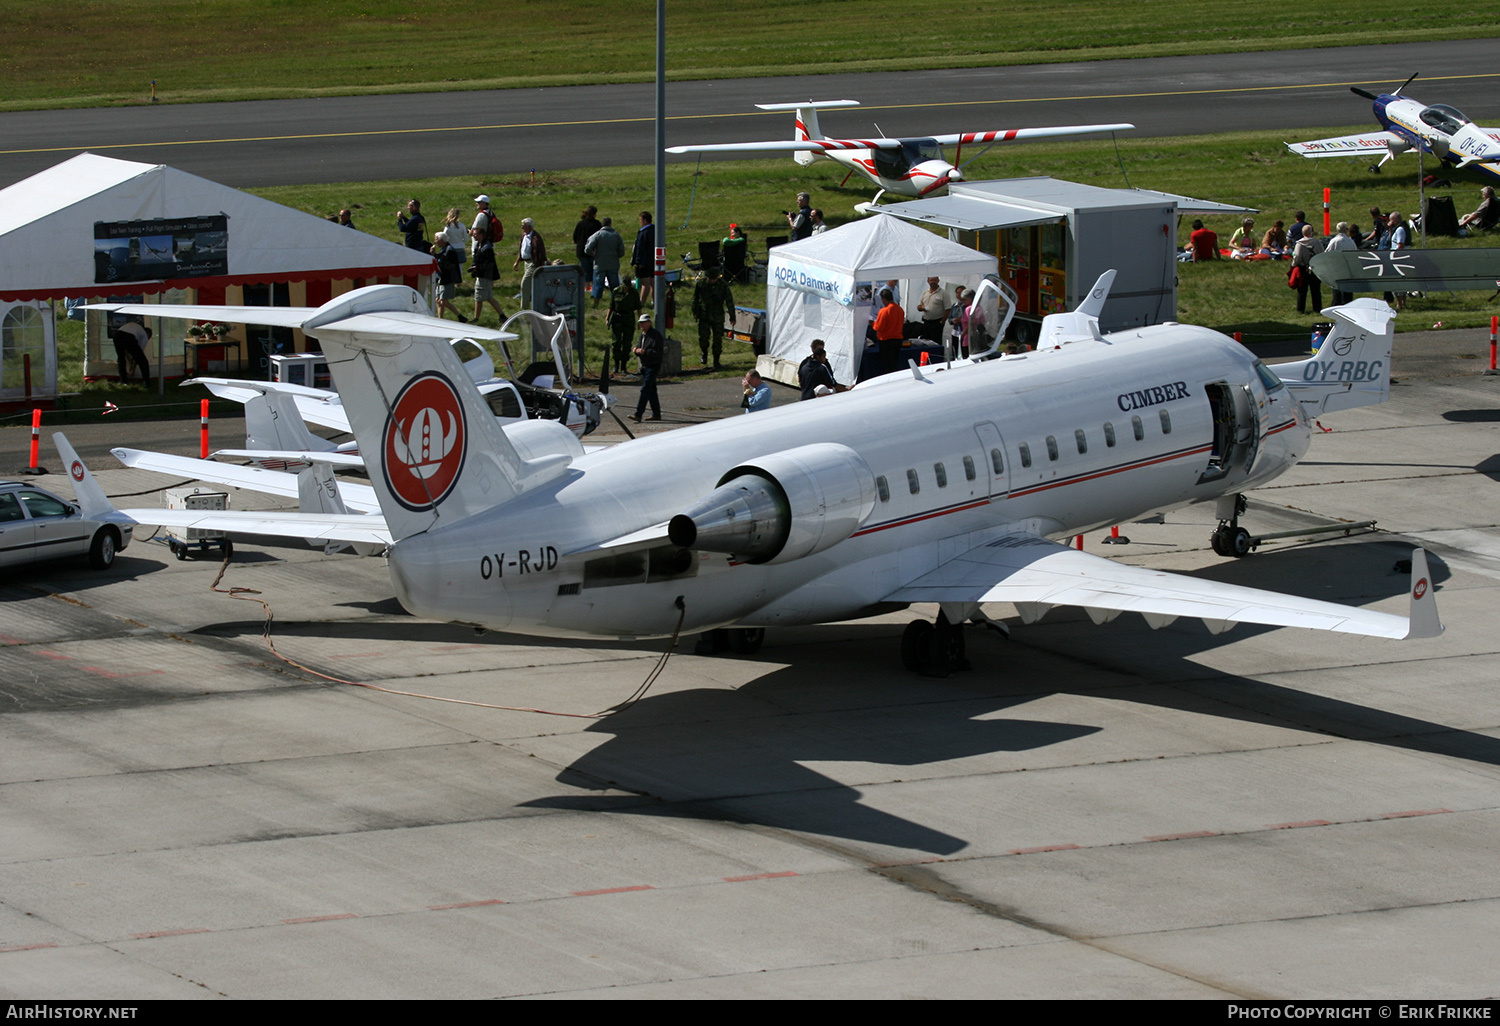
(712, 303)
(624, 306)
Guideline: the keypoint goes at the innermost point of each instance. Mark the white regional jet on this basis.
(841, 508)
(904, 167)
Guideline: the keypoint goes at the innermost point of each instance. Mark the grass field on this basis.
(96, 52)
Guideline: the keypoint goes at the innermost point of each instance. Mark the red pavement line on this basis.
(1049, 847)
(27, 947)
(465, 904)
(613, 890)
(1184, 836)
(167, 933)
(1294, 826)
(1413, 812)
(319, 919)
(759, 876)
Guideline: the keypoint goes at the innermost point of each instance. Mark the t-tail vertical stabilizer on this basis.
(807, 123)
(1353, 365)
(434, 451)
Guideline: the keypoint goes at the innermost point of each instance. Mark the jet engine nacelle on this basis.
(781, 507)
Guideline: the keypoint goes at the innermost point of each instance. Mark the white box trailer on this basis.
(182, 541)
(1054, 238)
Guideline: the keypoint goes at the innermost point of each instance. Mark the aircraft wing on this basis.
(268, 482)
(1017, 134)
(1037, 574)
(335, 527)
(1366, 144)
(830, 145)
(385, 322)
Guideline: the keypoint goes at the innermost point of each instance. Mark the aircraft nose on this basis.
(955, 175)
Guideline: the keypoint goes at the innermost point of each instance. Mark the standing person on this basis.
(757, 395)
(486, 232)
(414, 227)
(649, 348)
(624, 305)
(1341, 242)
(1204, 242)
(800, 220)
(346, 218)
(713, 303)
(1302, 255)
(643, 257)
(583, 231)
(890, 331)
(454, 231)
(130, 341)
(934, 310)
(1299, 222)
(819, 226)
(450, 273)
(1397, 237)
(532, 252)
(605, 248)
(1379, 237)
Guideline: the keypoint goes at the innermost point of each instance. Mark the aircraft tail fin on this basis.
(91, 498)
(1080, 324)
(434, 451)
(272, 422)
(1353, 365)
(806, 126)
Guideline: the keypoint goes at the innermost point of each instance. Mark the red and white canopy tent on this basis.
(96, 226)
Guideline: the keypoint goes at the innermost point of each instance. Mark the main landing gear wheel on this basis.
(933, 649)
(739, 640)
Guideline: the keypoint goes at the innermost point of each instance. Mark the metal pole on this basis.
(1422, 192)
(659, 304)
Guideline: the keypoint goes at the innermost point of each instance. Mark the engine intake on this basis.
(781, 507)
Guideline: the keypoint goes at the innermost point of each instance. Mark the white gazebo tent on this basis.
(825, 287)
(98, 226)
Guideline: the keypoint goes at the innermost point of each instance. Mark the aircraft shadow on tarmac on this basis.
(718, 754)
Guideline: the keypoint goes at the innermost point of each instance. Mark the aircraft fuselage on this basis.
(1055, 443)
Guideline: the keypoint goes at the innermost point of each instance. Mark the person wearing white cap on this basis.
(649, 348)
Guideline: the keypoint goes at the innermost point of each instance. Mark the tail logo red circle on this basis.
(426, 440)
(76, 470)
(1420, 589)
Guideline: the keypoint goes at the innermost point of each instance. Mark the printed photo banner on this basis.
(181, 247)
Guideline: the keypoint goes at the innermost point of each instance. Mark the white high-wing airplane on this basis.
(840, 508)
(1410, 124)
(904, 167)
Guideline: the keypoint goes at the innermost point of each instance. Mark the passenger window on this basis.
(1140, 429)
(941, 473)
(883, 488)
(10, 508)
(1051, 447)
(996, 462)
(1166, 422)
(40, 505)
(1109, 435)
(1082, 440)
(912, 482)
(1025, 455)
(969, 468)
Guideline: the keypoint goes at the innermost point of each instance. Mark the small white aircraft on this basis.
(903, 167)
(1410, 124)
(840, 508)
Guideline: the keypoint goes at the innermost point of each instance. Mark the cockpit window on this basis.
(1444, 118)
(895, 163)
(1267, 378)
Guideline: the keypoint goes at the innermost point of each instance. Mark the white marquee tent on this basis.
(821, 286)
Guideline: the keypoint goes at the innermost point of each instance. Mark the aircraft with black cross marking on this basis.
(955, 484)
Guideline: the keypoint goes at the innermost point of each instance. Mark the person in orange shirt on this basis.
(890, 332)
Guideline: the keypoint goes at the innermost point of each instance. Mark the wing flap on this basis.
(1025, 569)
(339, 527)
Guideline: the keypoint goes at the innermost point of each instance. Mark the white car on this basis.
(37, 525)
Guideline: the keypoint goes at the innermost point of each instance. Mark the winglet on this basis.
(91, 498)
(1423, 615)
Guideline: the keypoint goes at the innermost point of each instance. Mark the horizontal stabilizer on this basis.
(348, 527)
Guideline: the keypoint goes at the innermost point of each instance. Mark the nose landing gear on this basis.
(1229, 538)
